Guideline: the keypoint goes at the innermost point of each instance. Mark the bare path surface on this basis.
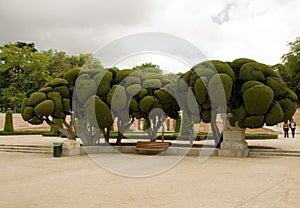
(41, 181)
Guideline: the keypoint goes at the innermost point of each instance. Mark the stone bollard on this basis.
(71, 147)
(234, 143)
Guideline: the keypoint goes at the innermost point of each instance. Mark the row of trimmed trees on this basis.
(253, 92)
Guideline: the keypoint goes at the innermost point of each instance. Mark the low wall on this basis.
(20, 124)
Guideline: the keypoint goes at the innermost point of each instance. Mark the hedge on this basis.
(26, 132)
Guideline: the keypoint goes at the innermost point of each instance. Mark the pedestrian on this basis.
(293, 127)
(286, 129)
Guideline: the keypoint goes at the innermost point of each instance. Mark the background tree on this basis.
(148, 68)
(22, 69)
(290, 68)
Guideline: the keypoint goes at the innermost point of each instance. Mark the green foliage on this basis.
(178, 124)
(122, 74)
(152, 83)
(146, 103)
(134, 105)
(46, 89)
(152, 76)
(288, 108)
(292, 95)
(8, 124)
(192, 103)
(143, 93)
(57, 82)
(98, 113)
(219, 85)
(63, 90)
(131, 80)
(261, 136)
(257, 99)
(147, 68)
(133, 89)
(278, 86)
(44, 108)
(255, 93)
(239, 115)
(26, 70)
(206, 116)
(237, 64)
(27, 113)
(26, 132)
(290, 68)
(36, 120)
(35, 98)
(23, 105)
(275, 115)
(252, 72)
(200, 91)
(66, 105)
(166, 99)
(103, 80)
(119, 99)
(58, 106)
(84, 88)
(254, 121)
(220, 67)
(249, 84)
(71, 76)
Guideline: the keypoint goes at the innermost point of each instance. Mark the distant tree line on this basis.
(289, 69)
(24, 70)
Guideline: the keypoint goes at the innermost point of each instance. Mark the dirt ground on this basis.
(37, 180)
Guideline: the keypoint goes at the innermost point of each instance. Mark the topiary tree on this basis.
(92, 114)
(178, 124)
(254, 93)
(8, 124)
(49, 103)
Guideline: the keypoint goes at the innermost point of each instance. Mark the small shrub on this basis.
(8, 125)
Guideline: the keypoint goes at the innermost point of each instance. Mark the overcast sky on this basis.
(221, 29)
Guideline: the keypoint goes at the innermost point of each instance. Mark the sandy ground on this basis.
(37, 180)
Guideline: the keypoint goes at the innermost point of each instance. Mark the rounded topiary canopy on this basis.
(44, 108)
(98, 113)
(258, 99)
(147, 103)
(254, 92)
(85, 87)
(36, 98)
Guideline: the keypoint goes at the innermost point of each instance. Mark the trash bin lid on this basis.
(57, 144)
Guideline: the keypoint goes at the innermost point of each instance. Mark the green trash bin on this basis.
(57, 149)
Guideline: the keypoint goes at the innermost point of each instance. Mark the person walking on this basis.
(293, 127)
(286, 129)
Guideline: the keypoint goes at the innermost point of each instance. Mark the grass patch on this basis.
(261, 136)
(25, 132)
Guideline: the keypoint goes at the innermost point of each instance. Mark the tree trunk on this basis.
(215, 130)
(68, 130)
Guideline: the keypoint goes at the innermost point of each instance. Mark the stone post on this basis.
(70, 148)
(234, 143)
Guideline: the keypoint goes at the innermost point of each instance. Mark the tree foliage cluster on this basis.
(289, 69)
(253, 92)
(24, 70)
